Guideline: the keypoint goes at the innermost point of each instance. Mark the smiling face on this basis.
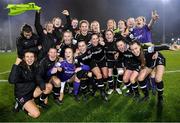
(94, 40)
(49, 27)
(121, 46)
(131, 22)
(140, 22)
(52, 54)
(29, 58)
(135, 49)
(109, 36)
(67, 37)
(74, 23)
(95, 27)
(82, 46)
(111, 25)
(68, 54)
(121, 25)
(84, 27)
(27, 35)
(57, 22)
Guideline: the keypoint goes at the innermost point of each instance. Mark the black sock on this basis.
(160, 88)
(84, 86)
(144, 88)
(105, 80)
(129, 87)
(105, 83)
(56, 92)
(135, 88)
(119, 81)
(115, 77)
(71, 84)
(110, 82)
(43, 97)
(93, 84)
(115, 72)
(100, 85)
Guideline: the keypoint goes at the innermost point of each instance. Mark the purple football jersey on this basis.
(68, 70)
(143, 35)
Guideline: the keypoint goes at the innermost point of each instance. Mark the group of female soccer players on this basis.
(82, 58)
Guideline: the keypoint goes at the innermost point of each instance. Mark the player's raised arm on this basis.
(154, 18)
(67, 26)
(37, 24)
(14, 75)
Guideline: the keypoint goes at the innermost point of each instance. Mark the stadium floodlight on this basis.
(165, 1)
(178, 39)
(172, 39)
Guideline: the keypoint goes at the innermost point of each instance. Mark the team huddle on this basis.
(80, 59)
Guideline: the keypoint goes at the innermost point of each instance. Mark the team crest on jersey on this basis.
(55, 40)
(25, 42)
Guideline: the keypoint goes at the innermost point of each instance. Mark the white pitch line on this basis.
(3, 80)
(4, 72)
(172, 71)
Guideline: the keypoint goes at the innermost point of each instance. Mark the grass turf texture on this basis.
(119, 108)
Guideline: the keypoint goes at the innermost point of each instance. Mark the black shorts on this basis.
(119, 64)
(101, 63)
(134, 68)
(93, 64)
(152, 63)
(111, 64)
(160, 60)
(82, 75)
(23, 99)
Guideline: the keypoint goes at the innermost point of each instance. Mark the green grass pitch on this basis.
(119, 108)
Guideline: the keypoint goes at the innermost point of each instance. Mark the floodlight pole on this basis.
(9, 28)
(164, 26)
(10, 33)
